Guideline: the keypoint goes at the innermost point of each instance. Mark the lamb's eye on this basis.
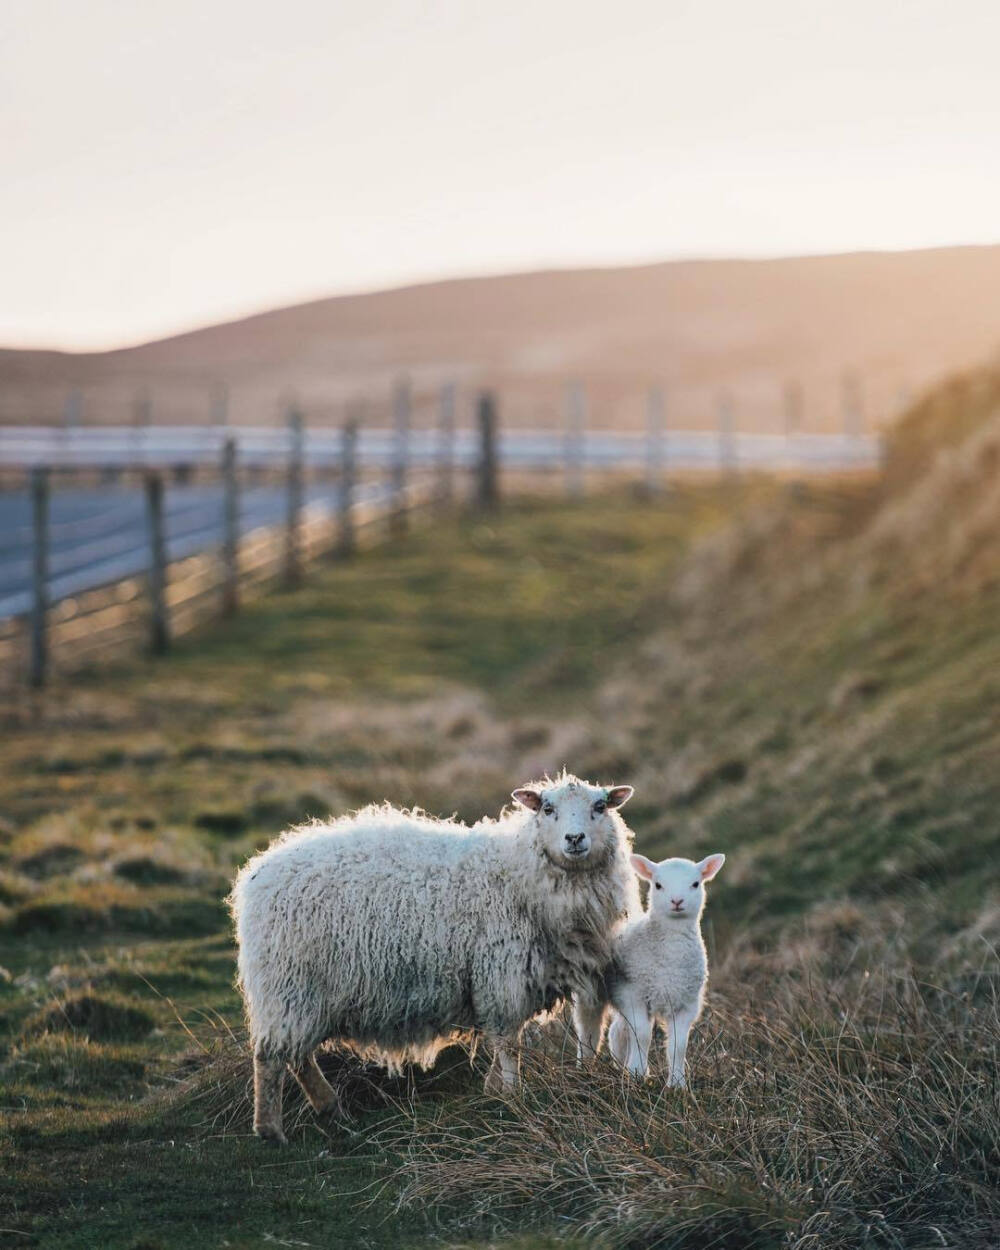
(658, 886)
(695, 884)
(548, 809)
(600, 806)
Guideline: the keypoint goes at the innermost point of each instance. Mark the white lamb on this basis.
(660, 966)
(396, 933)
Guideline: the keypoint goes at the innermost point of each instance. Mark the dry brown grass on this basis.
(825, 1112)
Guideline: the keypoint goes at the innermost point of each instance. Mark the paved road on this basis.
(98, 536)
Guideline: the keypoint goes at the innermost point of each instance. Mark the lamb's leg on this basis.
(638, 1029)
(618, 1036)
(588, 1020)
(505, 1068)
(677, 1041)
(268, 1080)
(316, 1087)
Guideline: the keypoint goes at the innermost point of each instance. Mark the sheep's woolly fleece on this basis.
(395, 932)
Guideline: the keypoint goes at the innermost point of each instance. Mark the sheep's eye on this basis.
(548, 809)
(658, 886)
(600, 806)
(695, 884)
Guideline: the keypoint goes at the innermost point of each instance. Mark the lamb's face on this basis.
(677, 886)
(574, 820)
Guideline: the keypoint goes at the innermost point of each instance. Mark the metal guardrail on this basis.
(163, 447)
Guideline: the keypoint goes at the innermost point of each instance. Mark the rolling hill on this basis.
(896, 320)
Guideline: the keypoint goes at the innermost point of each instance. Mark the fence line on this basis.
(220, 568)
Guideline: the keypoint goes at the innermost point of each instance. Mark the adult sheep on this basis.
(396, 933)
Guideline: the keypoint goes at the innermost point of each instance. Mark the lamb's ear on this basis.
(530, 799)
(710, 866)
(643, 866)
(618, 796)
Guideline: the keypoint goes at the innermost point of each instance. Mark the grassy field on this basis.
(808, 682)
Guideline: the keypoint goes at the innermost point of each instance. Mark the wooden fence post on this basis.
(728, 457)
(852, 406)
(40, 577)
(793, 408)
(446, 446)
(231, 530)
(400, 458)
(142, 413)
(573, 451)
(159, 623)
(655, 434)
(220, 404)
(293, 517)
(853, 413)
(346, 537)
(488, 486)
(72, 410)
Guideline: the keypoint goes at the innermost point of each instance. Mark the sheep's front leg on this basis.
(588, 1020)
(505, 1069)
(637, 1031)
(268, 1082)
(677, 1042)
(316, 1087)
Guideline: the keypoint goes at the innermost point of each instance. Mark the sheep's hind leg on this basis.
(618, 1037)
(503, 1073)
(588, 1020)
(321, 1094)
(268, 1081)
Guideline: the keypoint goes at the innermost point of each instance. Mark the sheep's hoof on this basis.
(329, 1104)
(494, 1085)
(271, 1133)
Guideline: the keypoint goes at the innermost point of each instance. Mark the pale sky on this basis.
(167, 163)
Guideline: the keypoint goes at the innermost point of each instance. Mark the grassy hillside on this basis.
(805, 679)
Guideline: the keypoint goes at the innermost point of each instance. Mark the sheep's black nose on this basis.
(574, 839)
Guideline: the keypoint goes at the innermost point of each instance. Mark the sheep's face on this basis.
(575, 821)
(677, 886)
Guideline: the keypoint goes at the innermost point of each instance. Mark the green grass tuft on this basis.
(99, 1019)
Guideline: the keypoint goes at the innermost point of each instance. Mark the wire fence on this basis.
(118, 538)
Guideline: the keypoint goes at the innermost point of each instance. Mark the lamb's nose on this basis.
(574, 839)
(678, 903)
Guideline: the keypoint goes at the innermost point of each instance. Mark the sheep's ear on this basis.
(710, 866)
(530, 799)
(643, 866)
(618, 796)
